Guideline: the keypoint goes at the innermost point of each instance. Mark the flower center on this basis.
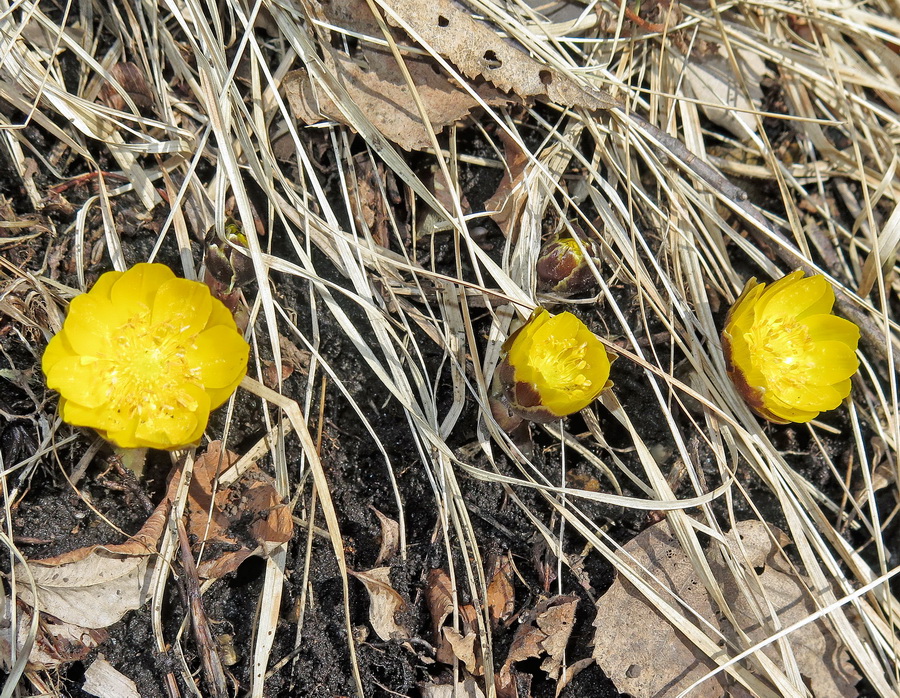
(561, 363)
(782, 348)
(149, 368)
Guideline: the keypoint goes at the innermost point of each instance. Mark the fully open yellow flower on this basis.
(787, 355)
(554, 366)
(144, 356)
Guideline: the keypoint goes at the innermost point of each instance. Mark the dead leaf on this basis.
(94, 586)
(390, 537)
(236, 522)
(506, 206)
(103, 680)
(545, 636)
(634, 644)
(501, 595)
(439, 599)
(464, 649)
(376, 85)
(723, 100)
(384, 604)
(479, 51)
(645, 656)
(823, 662)
(56, 642)
(467, 689)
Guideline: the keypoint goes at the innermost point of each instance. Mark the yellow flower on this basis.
(554, 366)
(787, 355)
(144, 356)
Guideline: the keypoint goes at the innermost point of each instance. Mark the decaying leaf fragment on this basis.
(390, 537)
(377, 86)
(463, 644)
(480, 52)
(545, 636)
(385, 603)
(634, 644)
(80, 593)
(501, 595)
(823, 662)
(235, 522)
(646, 657)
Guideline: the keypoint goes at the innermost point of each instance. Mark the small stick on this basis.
(209, 655)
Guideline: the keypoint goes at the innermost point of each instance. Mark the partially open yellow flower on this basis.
(554, 366)
(787, 355)
(144, 356)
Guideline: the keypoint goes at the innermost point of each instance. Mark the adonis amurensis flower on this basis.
(554, 366)
(562, 266)
(787, 354)
(144, 356)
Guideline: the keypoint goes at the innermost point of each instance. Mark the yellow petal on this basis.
(86, 384)
(177, 427)
(220, 315)
(520, 347)
(797, 297)
(92, 323)
(57, 349)
(831, 328)
(785, 412)
(220, 354)
(185, 305)
(135, 289)
(741, 313)
(564, 326)
(810, 397)
(831, 362)
(105, 418)
(103, 286)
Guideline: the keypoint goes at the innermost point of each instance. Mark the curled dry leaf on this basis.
(645, 656)
(376, 85)
(95, 586)
(56, 643)
(390, 537)
(385, 603)
(450, 643)
(479, 51)
(823, 662)
(545, 636)
(501, 596)
(102, 679)
(634, 644)
(235, 522)
(721, 93)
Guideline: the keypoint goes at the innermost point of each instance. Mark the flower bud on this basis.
(788, 356)
(554, 366)
(562, 267)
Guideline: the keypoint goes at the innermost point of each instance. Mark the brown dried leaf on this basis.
(823, 662)
(546, 635)
(478, 50)
(56, 643)
(634, 644)
(384, 604)
(464, 649)
(645, 656)
(390, 537)
(104, 680)
(375, 83)
(506, 205)
(439, 598)
(230, 520)
(501, 596)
